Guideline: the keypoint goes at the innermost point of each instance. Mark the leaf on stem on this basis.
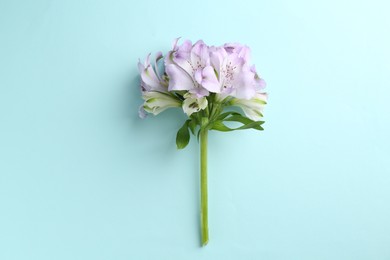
(183, 136)
(224, 115)
(192, 125)
(235, 117)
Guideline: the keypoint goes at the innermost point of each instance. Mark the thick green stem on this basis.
(203, 188)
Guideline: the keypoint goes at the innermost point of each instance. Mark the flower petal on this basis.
(200, 55)
(174, 43)
(159, 56)
(141, 112)
(199, 92)
(245, 84)
(210, 80)
(198, 76)
(150, 78)
(178, 78)
(216, 58)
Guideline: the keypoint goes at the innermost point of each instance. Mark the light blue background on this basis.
(81, 177)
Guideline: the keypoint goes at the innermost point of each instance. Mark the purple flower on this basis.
(194, 71)
(188, 68)
(151, 80)
(236, 76)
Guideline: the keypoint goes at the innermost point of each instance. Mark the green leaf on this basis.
(255, 125)
(183, 136)
(220, 126)
(239, 118)
(247, 123)
(224, 115)
(192, 125)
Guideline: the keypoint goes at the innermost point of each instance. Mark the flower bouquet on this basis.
(206, 82)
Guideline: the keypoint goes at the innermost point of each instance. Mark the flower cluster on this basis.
(203, 80)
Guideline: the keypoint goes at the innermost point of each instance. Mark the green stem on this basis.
(203, 187)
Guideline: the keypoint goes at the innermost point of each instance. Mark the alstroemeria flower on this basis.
(253, 108)
(188, 68)
(154, 88)
(192, 103)
(235, 75)
(156, 102)
(151, 80)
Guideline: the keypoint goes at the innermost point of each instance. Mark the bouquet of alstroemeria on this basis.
(205, 81)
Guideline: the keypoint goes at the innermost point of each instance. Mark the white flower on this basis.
(156, 102)
(253, 107)
(192, 103)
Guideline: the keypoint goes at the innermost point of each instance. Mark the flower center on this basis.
(228, 73)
